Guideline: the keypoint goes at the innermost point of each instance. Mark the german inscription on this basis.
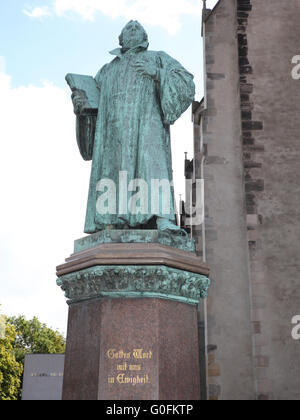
(129, 368)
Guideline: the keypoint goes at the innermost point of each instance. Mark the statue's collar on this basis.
(120, 52)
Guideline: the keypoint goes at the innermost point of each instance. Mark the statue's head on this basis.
(132, 35)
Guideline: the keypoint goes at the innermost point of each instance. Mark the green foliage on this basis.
(2, 326)
(10, 369)
(33, 337)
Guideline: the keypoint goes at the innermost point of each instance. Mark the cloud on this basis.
(210, 4)
(44, 186)
(2, 64)
(38, 12)
(166, 14)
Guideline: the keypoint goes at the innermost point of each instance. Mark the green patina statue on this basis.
(123, 125)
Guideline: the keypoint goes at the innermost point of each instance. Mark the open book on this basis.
(88, 85)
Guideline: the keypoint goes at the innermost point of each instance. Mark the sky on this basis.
(43, 179)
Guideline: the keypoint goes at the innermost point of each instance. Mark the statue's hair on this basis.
(145, 37)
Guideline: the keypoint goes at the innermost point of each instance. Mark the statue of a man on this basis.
(141, 94)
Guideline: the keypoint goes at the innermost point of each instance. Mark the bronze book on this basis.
(88, 85)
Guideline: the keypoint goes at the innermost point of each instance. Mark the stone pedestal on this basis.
(132, 330)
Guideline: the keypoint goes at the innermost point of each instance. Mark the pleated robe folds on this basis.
(131, 136)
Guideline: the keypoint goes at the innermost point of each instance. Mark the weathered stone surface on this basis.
(134, 282)
(134, 236)
(263, 190)
(166, 332)
(121, 308)
(129, 254)
(226, 248)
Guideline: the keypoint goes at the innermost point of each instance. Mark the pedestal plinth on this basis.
(132, 329)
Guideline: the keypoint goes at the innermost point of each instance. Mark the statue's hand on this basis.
(146, 69)
(79, 100)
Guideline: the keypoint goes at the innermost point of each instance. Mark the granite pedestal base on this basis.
(132, 329)
(142, 349)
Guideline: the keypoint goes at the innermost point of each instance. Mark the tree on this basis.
(23, 337)
(10, 369)
(33, 337)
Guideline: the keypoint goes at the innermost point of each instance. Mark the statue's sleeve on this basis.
(176, 86)
(85, 134)
(86, 127)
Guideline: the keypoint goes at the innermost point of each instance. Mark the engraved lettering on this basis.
(139, 354)
(113, 354)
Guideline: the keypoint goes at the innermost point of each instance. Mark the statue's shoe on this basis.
(165, 225)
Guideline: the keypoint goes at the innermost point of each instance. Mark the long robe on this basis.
(132, 133)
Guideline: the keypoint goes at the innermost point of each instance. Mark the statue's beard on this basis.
(132, 42)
